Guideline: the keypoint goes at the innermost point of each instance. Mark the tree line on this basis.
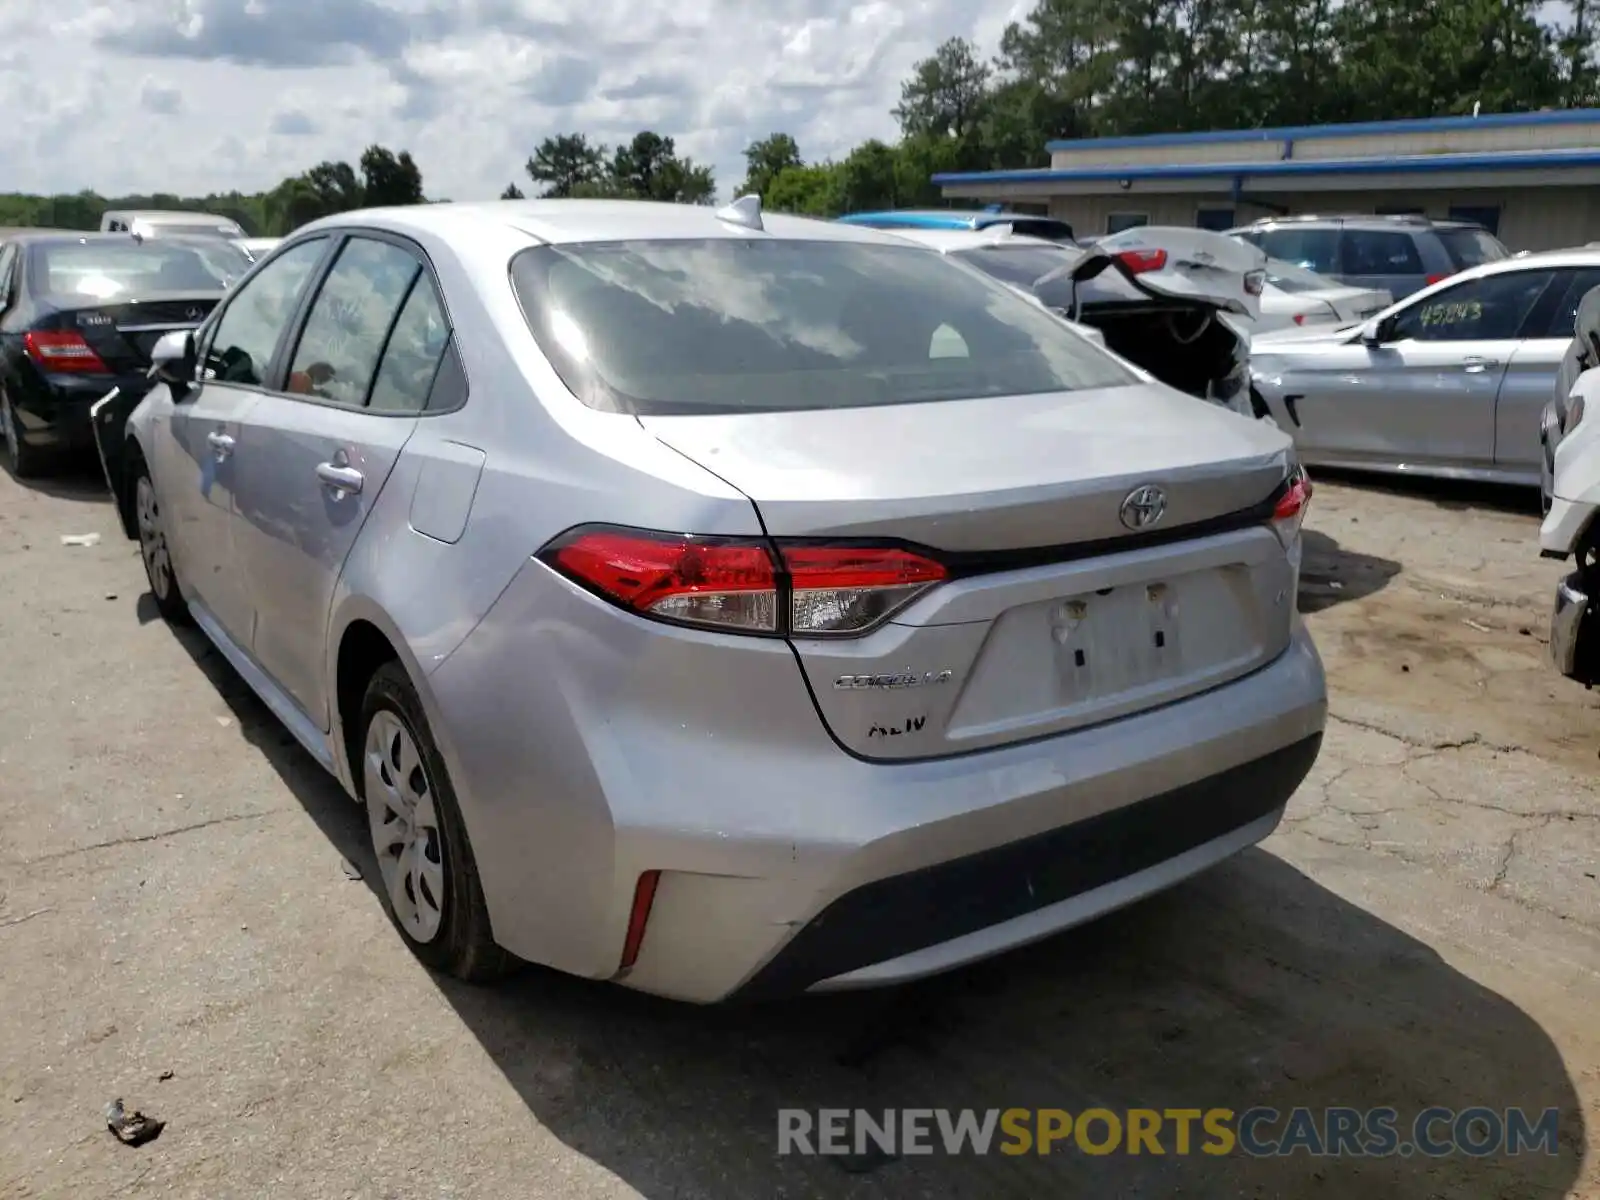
(1069, 69)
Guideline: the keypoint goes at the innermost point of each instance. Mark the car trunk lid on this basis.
(1060, 608)
(123, 333)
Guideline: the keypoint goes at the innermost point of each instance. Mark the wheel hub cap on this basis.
(405, 827)
(152, 539)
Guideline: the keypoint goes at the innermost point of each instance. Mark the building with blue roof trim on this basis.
(1531, 177)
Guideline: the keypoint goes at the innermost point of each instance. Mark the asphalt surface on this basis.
(179, 928)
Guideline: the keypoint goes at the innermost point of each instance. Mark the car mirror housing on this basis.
(172, 359)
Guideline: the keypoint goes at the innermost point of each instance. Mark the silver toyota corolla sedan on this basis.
(726, 604)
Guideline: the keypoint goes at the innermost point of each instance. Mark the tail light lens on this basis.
(1139, 261)
(741, 585)
(62, 351)
(1432, 279)
(842, 589)
(1290, 511)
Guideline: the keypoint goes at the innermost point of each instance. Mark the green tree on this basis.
(566, 162)
(389, 179)
(512, 192)
(765, 160)
(807, 191)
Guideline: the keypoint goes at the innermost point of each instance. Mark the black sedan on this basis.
(78, 316)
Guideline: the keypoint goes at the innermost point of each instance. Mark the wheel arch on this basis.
(362, 637)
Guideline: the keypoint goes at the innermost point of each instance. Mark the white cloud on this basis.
(259, 89)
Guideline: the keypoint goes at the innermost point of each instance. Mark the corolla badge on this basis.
(892, 681)
(1143, 507)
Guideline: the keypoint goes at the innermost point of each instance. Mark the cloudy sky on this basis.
(193, 96)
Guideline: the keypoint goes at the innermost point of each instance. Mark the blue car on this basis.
(947, 218)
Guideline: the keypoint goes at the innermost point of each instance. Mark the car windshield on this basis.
(110, 269)
(727, 325)
(1287, 277)
(1021, 266)
(1471, 247)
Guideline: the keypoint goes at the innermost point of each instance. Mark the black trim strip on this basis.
(891, 917)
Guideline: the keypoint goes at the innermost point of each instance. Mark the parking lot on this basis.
(179, 927)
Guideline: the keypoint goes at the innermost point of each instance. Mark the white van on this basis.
(154, 224)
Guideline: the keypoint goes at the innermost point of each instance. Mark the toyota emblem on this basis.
(1143, 507)
(193, 314)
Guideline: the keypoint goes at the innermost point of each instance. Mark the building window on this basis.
(1487, 215)
(1215, 219)
(1117, 222)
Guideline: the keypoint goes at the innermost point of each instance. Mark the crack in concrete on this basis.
(137, 838)
(1435, 745)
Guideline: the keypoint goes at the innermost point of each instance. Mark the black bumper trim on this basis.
(905, 913)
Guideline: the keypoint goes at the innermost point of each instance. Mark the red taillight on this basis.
(1290, 510)
(1300, 318)
(644, 895)
(734, 584)
(1139, 261)
(1432, 279)
(62, 352)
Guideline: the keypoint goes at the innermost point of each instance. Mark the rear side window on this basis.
(1314, 249)
(411, 359)
(1380, 252)
(345, 331)
(1471, 247)
(726, 326)
(1564, 319)
(1490, 309)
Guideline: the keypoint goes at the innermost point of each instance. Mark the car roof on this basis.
(1361, 221)
(571, 221)
(168, 216)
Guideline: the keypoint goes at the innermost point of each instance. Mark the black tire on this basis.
(27, 462)
(463, 947)
(160, 571)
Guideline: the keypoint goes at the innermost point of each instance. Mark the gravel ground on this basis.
(178, 928)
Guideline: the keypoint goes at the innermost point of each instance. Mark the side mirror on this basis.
(172, 360)
(1376, 332)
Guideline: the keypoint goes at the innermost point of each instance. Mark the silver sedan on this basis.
(1450, 382)
(723, 603)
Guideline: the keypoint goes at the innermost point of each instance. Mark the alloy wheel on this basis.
(405, 827)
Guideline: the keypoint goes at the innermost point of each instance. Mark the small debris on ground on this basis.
(111, 595)
(224, 721)
(1336, 585)
(351, 871)
(80, 539)
(132, 1128)
(164, 1076)
(1471, 624)
(1405, 667)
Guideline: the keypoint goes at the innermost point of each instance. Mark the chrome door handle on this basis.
(221, 444)
(1476, 364)
(341, 479)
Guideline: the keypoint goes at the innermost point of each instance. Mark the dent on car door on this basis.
(1442, 362)
(1530, 378)
(316, 455)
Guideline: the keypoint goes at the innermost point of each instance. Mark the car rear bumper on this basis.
(58, 418)
(589, 747)
(1564, 524)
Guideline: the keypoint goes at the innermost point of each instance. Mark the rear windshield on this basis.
(728, 326)
(1287, 277)
(122, 268)
(1471, 247)
(1021, 266)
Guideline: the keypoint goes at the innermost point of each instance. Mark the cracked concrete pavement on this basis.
(177, 929)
